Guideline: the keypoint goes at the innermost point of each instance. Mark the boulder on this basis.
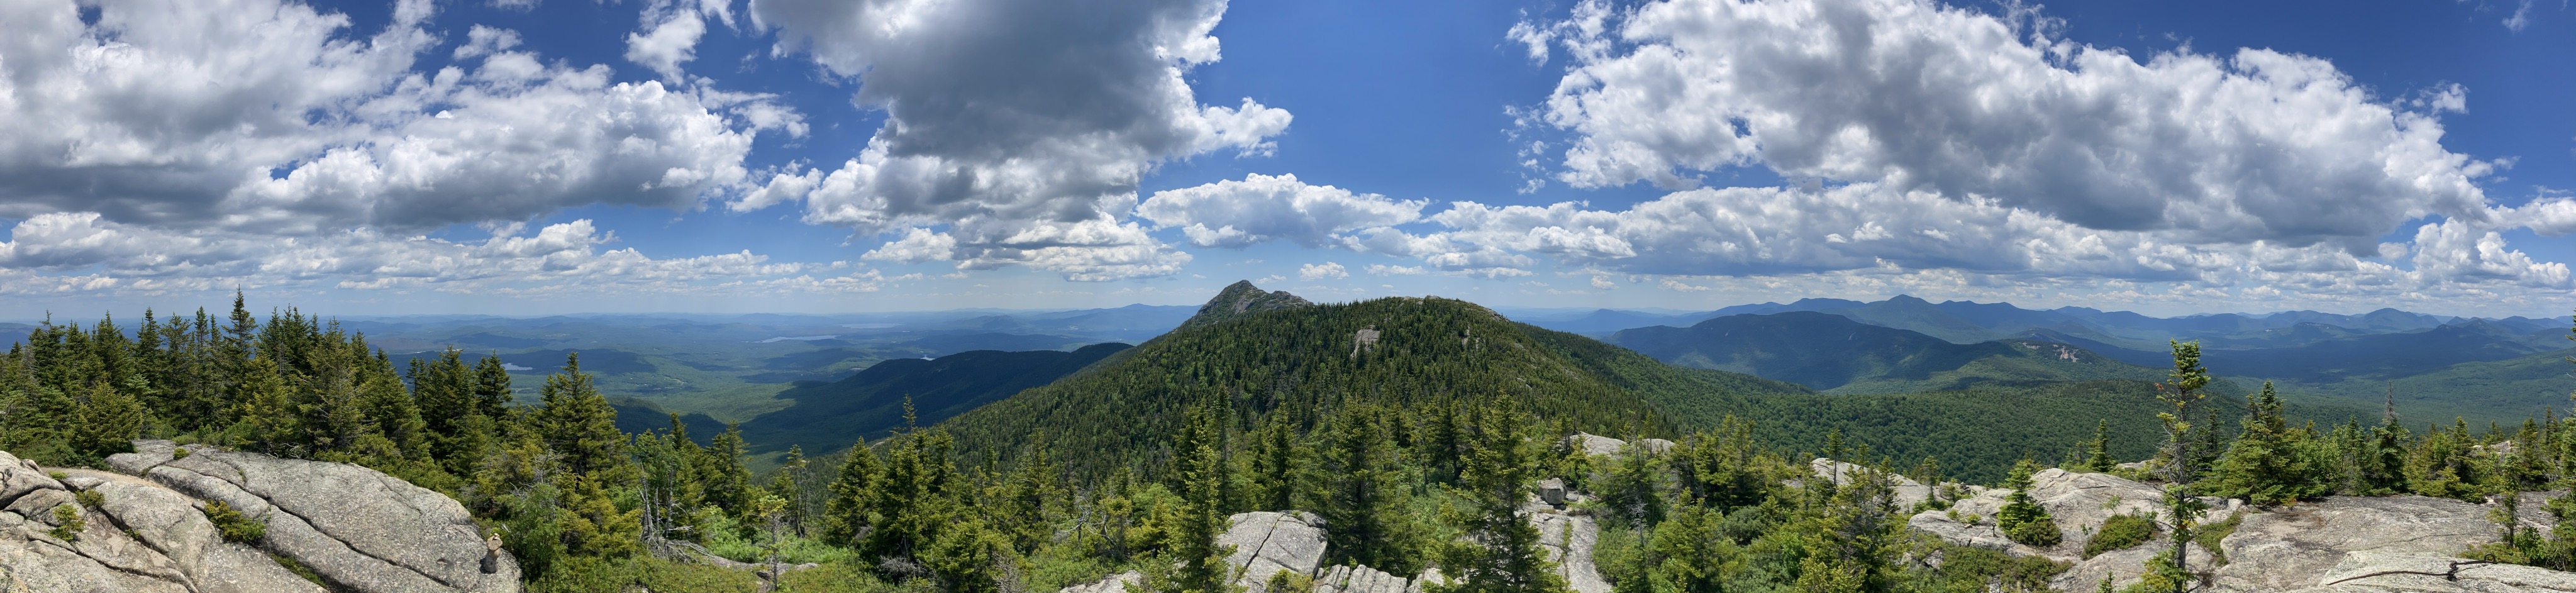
(1593, 444)
(1908, 491)
(1552, 491)
(2380, 572)
(2123, 567)
(1568, 540)
(1116, 583)
(357, 528)
(1361, 579)
(2294, 547)
(1266, 543)
(142, 537)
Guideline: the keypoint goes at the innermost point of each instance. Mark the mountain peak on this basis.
(1241, 298)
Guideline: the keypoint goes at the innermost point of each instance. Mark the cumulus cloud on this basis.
(1915, 96)
(670, 32)
(1020, 116)
(1262, 208)
(1327, 270)
(569, 256)
(270, 117)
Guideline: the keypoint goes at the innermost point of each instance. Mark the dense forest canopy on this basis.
(1418, 428)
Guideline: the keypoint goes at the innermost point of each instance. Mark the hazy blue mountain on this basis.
(1605, 321)
(1838, 355)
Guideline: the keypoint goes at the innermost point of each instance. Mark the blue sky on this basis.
(546, 156)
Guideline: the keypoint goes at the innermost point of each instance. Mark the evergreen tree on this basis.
(2098, 454)
(2021, 518)
(1201, 468)
(914, 497)
(1365, 493)
(1277, 459)
(845, 516)
(110, 420)
(728, 483)
(492, 386)
(1501, 551)
(2270, 463)
(2182, 505)
(264, 411)
(788, 485)
(578, 424)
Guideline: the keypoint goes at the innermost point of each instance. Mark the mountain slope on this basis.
(1839, 355)
(1307, 359)
(829, 416)
(1240, 299)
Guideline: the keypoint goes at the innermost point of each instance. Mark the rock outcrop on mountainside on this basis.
(2340, 544)
(146, 528)
(1242, 298)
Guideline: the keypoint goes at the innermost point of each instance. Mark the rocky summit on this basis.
(2341, 544)
(146, 528)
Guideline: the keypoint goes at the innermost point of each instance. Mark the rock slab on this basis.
(1266, 543)
(356, 528)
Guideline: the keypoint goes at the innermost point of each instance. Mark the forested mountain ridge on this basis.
(1298, 362)
(870, 404)
(1838, 355)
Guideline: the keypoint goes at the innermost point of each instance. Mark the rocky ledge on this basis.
(145, 529)
(2340, 544)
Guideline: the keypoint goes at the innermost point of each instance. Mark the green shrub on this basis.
(2022, 519)
(2209, 534)
(90, 498)
(178, 454)
(298, 568)
(235, 527)
(67, 523)
(2120, 532)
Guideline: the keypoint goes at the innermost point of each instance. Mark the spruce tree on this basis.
(1501, 551)
(2021, 518)
(2098, 453)
(578, 424)
(789, 486)
(1201, 468)
(845, 516)
(1277, 459)
(110, 420)
(2270, 463)
(492, 387)
(1364, 493)
(728, 483)
(2182, 506)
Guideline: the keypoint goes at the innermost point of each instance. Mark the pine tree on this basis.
(845, 516)
(1501, 551)
(2182, 506)
(788, 485)
(728, 483)
(1202, 473)
(110, 420)
(492, 387)
(1277, 460)
(913, 499)
(265, 415)
(2021, 518)
(1364, 493)
(578, 424)
(2098, 454)
(2270, 463)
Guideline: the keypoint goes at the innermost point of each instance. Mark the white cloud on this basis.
(1319, 272)
(670, 32)
(1387, 270)
(1916, 96)
(1018, 115)
(267, 117)
(1262, 208)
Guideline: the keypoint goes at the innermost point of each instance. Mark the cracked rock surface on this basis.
(1266, 543)
(356, 529)
(141, 538)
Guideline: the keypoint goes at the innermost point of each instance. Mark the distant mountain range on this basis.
(1908, 344)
